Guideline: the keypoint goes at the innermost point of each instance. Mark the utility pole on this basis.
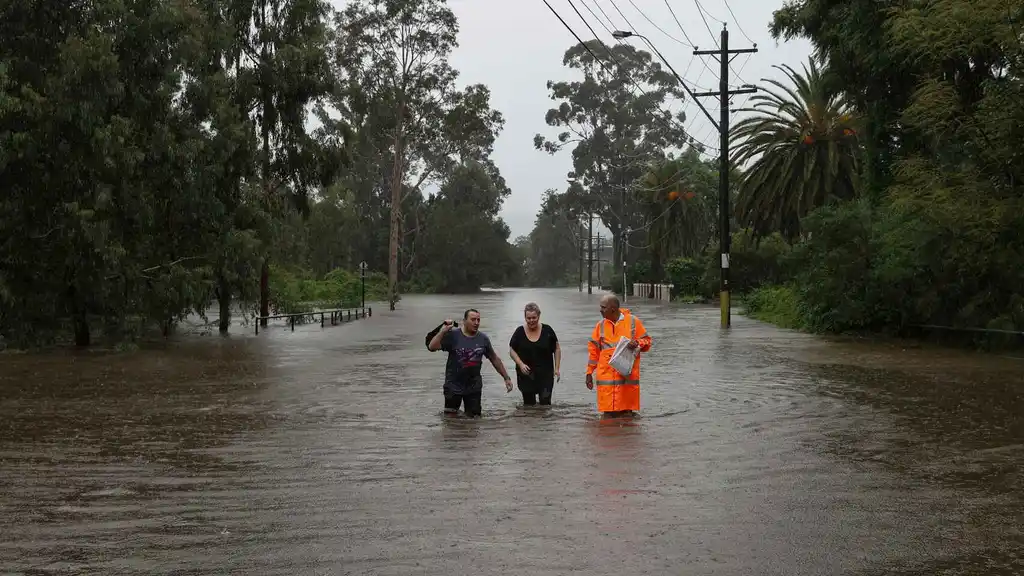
(581, 264)
(590, 256)
(724, 56)
(599, 260)
(625, 287)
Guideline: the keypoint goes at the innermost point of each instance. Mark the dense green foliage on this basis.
(160, 157)
(878, 188)
(937, 86)
(551, 254)
(802, 146)
(614, 129)
(778, 305)
(300, 291)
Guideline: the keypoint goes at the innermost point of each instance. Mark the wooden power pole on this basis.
(724, 55)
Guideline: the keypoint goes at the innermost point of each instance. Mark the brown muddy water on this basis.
(758, 451)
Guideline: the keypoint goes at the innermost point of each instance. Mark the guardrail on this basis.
(967, 329)
(336, 316)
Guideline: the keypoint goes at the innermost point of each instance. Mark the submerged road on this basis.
(758, 452)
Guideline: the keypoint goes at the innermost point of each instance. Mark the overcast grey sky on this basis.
(516, 46)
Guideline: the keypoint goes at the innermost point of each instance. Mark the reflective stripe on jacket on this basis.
(616, 392)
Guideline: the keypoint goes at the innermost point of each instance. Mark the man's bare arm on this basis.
(497, 363)
(435, 342)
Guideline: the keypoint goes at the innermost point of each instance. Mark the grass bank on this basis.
(778, 305)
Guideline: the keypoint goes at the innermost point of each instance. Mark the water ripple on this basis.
(757, 451)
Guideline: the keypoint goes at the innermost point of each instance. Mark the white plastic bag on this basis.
(623, 358)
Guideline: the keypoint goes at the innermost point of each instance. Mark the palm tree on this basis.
(804, 146)
(679, 201)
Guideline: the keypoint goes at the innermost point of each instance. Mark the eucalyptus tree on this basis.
(615, 122)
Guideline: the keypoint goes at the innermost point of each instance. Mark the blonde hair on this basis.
(532, 307)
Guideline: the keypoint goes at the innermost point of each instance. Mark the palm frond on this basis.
(802, 147)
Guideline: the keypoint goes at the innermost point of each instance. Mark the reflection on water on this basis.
(756, 451)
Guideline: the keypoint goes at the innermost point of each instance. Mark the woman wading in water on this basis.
(538, 357)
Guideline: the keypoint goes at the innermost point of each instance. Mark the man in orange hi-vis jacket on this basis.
(616, 393)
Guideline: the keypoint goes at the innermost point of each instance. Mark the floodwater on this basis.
(324, 451)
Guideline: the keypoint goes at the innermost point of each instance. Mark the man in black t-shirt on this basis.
(466, 348)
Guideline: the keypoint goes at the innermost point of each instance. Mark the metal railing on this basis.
(966, 329)
(336, 316)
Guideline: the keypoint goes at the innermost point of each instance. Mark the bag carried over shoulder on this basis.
(432, 333)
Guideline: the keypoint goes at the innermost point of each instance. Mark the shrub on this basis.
(837, 282)
(777, 305)
(685, 275)
(752, 263)
(295, 291)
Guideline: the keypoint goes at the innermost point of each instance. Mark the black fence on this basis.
(334, 316)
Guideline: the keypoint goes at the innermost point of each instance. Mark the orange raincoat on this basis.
(616, 392)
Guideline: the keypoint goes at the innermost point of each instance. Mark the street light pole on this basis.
(581, 263)
(577, 225)
(362, 280)
(590, 254)
(625, 287)
(620, 34)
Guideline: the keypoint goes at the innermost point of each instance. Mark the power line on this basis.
(628, 23)
(690, 138)
(629, 33)
(596, 17)
(738, 25)
(703, 11)
(605, 14)
(693, 121)
(611, 55)
(631, 27)
(708, 12)
(700, 10)
(611, 33)
(676, 18)
(683, 30)
(602, 63)
(746, 98)
(587, 24)
(688, 43)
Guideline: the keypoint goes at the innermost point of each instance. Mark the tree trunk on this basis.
(265, 269)
(265, 291)
(617, 253)
(79, 320)
(224, 299)
(658, 271)
(82, 336)
(616, 250)
(657, 264)
(396, 208)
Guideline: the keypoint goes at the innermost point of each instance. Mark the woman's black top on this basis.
(539, 356)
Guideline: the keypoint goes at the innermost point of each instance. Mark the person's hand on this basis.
(590, 381)
(524, 368)
(508, 384)
(633, 344)
(558, 375)
(447, 325)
